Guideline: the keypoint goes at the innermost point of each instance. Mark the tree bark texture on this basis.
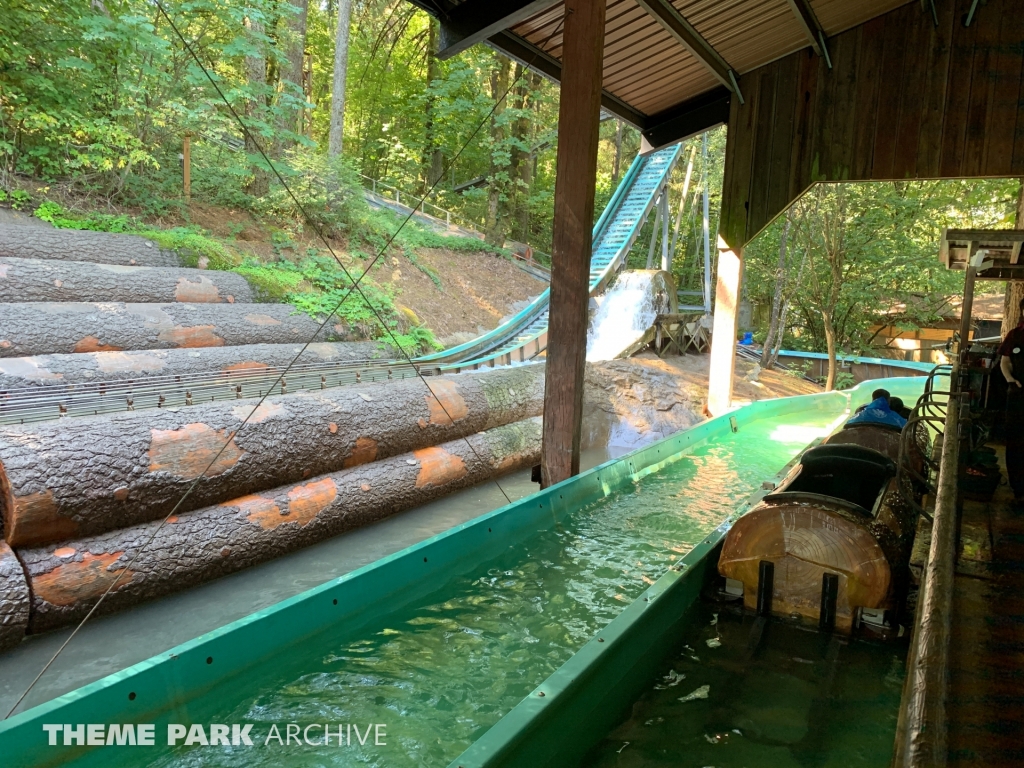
(79, 245)
(49, 280)
(256, 109)
(46, 370)
(497, 186)
(1014, 288)
(51, 328)
(199, 546)
(14, 599)
(337, 130)
(294, 40)
(575, 174)
(82, 476)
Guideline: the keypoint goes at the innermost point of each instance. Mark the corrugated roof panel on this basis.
(837, 16)
(650, 70)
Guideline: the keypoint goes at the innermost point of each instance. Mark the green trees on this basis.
(860, 258)
(98, 97)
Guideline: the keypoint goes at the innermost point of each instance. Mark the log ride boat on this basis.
(832, 542)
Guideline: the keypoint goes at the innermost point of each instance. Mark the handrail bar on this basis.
(921, 735)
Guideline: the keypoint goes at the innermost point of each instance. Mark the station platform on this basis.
(986, 661)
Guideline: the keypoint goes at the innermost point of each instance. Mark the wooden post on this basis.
(723, 334)
(575, 176)
(186, 161)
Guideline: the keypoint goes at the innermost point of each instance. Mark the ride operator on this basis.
(1011, 363)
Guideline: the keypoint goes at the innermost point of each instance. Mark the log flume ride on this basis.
(831, 543)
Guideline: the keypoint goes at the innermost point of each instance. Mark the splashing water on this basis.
(627, 311)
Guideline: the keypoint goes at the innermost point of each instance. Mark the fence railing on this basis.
(921, 733)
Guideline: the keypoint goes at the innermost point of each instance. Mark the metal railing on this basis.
(53, 401)
(441, 215)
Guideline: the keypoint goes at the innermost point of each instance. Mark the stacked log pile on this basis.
(79, 245)
(82, 476)
(48, 328)
(81, 498)
(48, 280)
(83, 367)
(67, 579)
(78, 497)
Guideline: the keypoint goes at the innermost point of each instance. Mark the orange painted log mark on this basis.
(305, 502)
(186, 452)
(202, 292)
(92, 344)
(71, 583)
(438, 467)
(191, 337)
(258, 509)
(445, 403)
(364, 452)
(36, 519)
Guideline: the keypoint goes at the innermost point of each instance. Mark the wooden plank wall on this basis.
(905, 100)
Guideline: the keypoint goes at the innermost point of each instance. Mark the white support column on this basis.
(723, 334)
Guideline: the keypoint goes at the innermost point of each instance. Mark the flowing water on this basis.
(798, 700)
(441, 673)
(627, 310)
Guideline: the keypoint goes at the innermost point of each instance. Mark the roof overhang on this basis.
(670, 66)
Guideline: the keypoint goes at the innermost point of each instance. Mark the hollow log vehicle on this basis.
(831, 544)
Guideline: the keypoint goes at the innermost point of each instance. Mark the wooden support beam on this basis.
(723, 334)
(575, 176)
(474, 21)
(685, 120)
(673, 22)
(812, 28)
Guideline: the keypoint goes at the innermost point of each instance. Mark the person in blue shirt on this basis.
(878, 411)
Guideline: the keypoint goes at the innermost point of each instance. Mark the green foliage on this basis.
(844, 380)
(191, 243)
(17, 198)
(862, 257)
(319, 287)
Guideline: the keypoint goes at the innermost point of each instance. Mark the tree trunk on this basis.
(97, 367)
(44, 328)
(294, 39)
(337, 132)
(433, 155)
(98, 247)
(617, 165)
(784, 315)
(15, 602)
(1014, 288)
(256, 111)
(82, 476)
(777, 299)
(830, 341)
(499, 171)
(48, 280)
(199, 546)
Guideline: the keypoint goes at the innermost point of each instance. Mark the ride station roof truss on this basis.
(997, 251)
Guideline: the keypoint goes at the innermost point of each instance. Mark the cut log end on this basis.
(15, 602)
(804, 543)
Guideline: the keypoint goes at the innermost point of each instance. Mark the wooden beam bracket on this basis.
(676, 25)
(812, 28)
(474, 21)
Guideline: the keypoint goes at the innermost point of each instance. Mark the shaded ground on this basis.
(628, 403)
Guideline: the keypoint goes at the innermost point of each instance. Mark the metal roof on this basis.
(670, 66)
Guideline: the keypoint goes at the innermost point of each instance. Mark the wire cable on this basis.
(355, 287)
